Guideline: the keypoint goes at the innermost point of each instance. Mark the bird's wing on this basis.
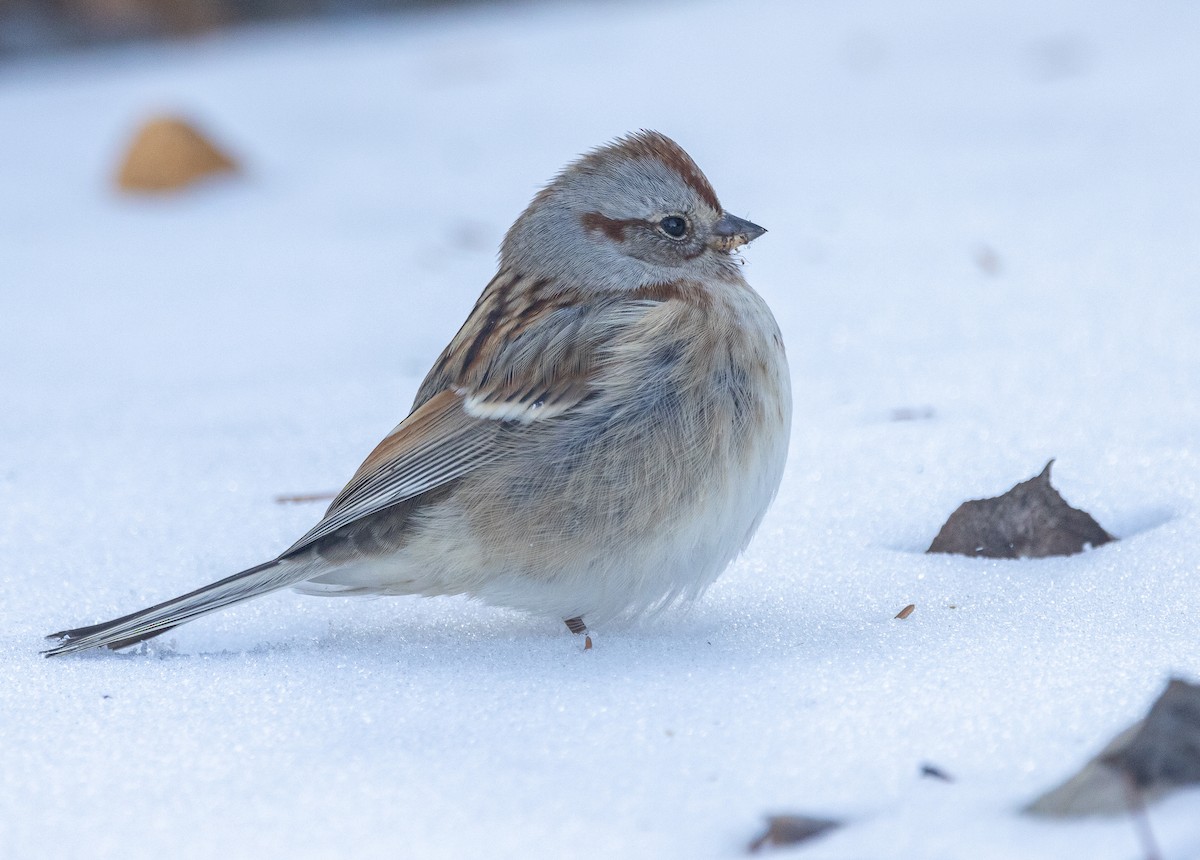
(436, 444)
(491, 376)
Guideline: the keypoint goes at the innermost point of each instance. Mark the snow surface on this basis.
(168, 366)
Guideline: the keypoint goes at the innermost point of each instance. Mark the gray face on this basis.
(632, 214)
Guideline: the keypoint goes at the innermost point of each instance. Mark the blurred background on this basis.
(235, 234)
(36, 26)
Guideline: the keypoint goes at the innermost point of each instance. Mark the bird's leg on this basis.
(576, 626)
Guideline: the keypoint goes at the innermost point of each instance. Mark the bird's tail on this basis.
(148, 623)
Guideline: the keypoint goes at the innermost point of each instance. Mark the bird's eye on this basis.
(674, 226)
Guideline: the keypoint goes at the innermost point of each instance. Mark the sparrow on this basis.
(599, 440)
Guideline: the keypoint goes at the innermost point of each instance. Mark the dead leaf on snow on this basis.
(1140, 765)
(1029, 521)
(169, 153)
(301, 498)
(934, 772)
(783, 830)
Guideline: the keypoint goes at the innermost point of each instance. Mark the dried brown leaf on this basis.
(168, 153)
(783, 830)
(1029, 521)
(1146, 761)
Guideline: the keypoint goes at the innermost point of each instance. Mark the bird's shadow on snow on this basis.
(444, 640)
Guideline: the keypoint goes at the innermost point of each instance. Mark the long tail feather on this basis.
(148, 623)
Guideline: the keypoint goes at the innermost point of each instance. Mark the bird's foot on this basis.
(576, 626)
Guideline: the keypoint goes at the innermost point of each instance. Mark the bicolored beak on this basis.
(731, 232)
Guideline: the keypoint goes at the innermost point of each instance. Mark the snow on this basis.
(168, 366)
